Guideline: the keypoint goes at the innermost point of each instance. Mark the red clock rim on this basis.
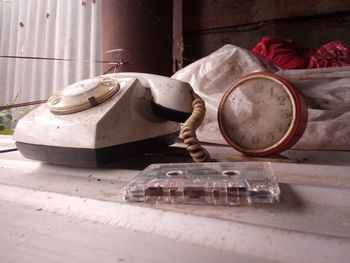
(299, 123)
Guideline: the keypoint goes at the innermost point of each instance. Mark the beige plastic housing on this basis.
(125, 117)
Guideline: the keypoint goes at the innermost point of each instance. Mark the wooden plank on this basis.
(178, 42)
(209, 14)
(314, 33)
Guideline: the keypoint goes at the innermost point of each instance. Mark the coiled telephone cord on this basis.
(188, 131)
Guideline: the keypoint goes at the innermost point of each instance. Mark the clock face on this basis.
(257, 114)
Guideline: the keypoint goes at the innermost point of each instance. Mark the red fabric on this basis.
(332, 54)
(287, 54)
(283, 53)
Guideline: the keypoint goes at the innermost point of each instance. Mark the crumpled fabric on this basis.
(288, 54)
(327, 95)
(210, 77)
(326, 92)
(284, 53)
(332, 54)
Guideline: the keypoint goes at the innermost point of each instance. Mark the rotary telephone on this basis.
(107, 118)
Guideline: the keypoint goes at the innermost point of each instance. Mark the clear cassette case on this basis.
(224, 183)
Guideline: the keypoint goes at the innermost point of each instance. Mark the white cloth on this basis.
(326, 92)
(210, 77)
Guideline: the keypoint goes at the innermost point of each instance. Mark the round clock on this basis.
(261, 114)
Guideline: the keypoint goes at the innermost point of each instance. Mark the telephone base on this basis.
(85, 157)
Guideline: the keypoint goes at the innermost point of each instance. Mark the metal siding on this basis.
(56, 29)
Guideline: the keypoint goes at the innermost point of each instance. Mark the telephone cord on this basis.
(188, 131)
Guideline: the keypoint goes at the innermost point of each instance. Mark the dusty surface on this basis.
(45, 207)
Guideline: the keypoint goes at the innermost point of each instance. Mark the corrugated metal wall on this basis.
(47, 28)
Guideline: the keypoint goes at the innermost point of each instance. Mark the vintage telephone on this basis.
(101, 120)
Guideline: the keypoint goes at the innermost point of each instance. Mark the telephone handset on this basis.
(100, 120)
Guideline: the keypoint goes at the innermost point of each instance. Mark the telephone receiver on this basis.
(111, 117)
